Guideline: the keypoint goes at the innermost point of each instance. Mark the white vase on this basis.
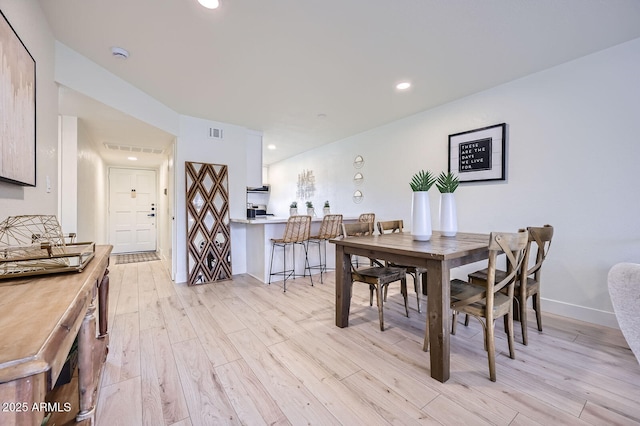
(311, 211)
(421, 216)
(326, 210)
(448, 215)
(293, 211)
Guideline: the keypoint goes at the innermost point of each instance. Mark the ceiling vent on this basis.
(129, 148)
(215, 133)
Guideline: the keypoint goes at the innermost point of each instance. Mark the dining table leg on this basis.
(438, 300)
(343, 286)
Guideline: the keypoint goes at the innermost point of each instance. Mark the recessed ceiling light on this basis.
(271, 146)
(209, 4)
(403, 86)
(132, 158)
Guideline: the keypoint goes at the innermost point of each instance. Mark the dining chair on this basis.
(488, 301)
(296, 232)
(390, 227)
(367, 218)
(527, 282)
(378, 276)
(330, 227)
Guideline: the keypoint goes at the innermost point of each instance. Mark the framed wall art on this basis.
(479, 154)
(17, 108)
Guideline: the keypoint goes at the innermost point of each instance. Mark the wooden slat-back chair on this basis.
(330, 227)
(378, 276)
(296, 231)
(389, 227)
(488, 302)
(528, 280)
(367, 218)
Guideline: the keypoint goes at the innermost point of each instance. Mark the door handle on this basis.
(151, 215)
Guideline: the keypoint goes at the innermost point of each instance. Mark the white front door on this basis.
(132, 210)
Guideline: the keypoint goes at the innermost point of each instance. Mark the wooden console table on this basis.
(40, 318)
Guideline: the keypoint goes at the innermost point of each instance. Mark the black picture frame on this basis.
(479, 155)
(18, 137)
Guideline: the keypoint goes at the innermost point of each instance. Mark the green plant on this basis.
(422, 181)
(447, 182)
(309, 204)
(326, 203)
(294, 205)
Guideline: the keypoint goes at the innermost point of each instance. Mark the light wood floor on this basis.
(242, 352)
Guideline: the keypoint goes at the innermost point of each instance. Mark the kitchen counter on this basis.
(259, 233)
(277, 219)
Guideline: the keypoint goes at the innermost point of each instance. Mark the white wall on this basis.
(193, 145)
(68, 174)
(572, 153)
(92, 190)
(27, 19)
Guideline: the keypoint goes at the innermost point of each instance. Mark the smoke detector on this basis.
(119, 52)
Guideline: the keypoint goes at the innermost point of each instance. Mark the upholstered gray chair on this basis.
(624, 289)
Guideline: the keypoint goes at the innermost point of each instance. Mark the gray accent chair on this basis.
(624, 289)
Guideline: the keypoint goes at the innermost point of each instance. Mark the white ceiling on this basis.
(306, 72)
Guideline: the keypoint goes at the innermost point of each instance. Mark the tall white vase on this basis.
(420, 216)
(448, 215)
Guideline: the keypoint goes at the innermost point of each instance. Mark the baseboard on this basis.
(594, 316)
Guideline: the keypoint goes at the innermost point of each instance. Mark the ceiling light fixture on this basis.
(209, 4)
(119, 53)
(271, 146)
(403, 86)
(132, 158)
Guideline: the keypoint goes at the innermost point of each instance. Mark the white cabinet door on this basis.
(132, 210)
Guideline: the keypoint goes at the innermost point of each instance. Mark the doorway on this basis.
(133, 210)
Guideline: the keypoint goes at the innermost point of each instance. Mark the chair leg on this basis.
(522, 305)
(380, 306)
(284, 265)
(453, 322)
(425, 344)
(466, 320)
(491, 349)
(320, 258)
(416, 286)
(386, 289)
(273, 246)
(371, 288)
(403, 290)
(306, 260)
(536, 306)
(509, 323)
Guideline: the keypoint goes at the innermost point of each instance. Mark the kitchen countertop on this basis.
(277, 219)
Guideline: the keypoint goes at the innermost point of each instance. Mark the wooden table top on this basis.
(41, 315)
(438, 247)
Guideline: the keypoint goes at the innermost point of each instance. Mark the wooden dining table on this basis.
(437, 256)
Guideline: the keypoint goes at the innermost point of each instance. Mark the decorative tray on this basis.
(44, 259)
(35, 245)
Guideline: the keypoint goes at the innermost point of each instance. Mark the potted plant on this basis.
(420, 184)
(326, 209)
(310, 209)
(447, 183)
(293, 208)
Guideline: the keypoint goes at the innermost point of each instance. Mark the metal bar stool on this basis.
(330, 227)
(296, 232)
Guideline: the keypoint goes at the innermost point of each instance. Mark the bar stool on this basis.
(330, 227)
(295, 232)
